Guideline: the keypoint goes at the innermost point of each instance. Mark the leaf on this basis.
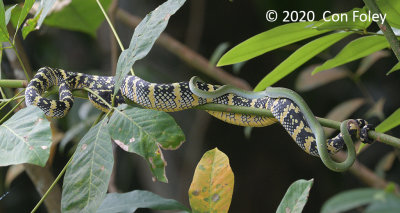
(29, 26)
(356, 49)
(216, 55)
(385, 164)
(86, 179)
(343, 111)
(306, 82)
(212, 186)
(83, 16)
(36, 22)
(3, 26)
(345, 21)
(131, 201)
(12, 173)
(145, 132)
(392, 10)
(384, 203)
(269, 40)
(395, 68)
(368, 61)
(4, 19)
(299, 57)
(389, 123)
(146, 33)
(376, 110)
(24, 12)
(296, 197)
(8, 13)
(26, 138)
(348, 200)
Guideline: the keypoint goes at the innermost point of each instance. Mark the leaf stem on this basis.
(21, 63)
(385, 27)
(11, 99)
(112, 29)
(12, 110)
(52, 185)
(11, 83)
(99, 97)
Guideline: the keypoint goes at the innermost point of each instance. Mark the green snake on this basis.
(287, 107)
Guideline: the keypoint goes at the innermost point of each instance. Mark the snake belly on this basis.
(173, 97)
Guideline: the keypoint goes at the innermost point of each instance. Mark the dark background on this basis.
(264, 164)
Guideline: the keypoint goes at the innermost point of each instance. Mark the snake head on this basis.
(364, 128)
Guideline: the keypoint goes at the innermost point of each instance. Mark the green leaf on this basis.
(392, 10)
(146, 33)
(30, 25)
(348, 200)
(212, 186)
(131, 201)
(395, 68)
(24, 12)
(4, 19)
(26, 138)
(384, 203)
(35, 22)
(8, 13)
(83, 16)
(86, 179)
(345, 21)
(354, 50)
(269, 40)
(389, 123)
(302, 55)
(3, 28)
(145, 132)
(216, 55)
(296, 197)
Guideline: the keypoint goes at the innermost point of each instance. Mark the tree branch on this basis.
(380, 137)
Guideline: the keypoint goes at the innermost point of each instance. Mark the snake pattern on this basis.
(177, 97)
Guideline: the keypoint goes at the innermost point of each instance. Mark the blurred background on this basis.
(265, 160)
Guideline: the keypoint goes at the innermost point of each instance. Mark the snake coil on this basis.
(287, 107)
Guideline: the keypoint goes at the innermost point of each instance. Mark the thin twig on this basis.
(11, 99)
(112, 29)
(98, 96)
(12, 110)
(113, 42)
(52, 185)
(43, 179)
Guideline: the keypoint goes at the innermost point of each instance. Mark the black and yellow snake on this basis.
(286, 106)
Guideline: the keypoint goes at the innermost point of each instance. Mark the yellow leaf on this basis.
(212, 186)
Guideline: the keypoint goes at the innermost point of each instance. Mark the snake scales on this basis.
(186, 95)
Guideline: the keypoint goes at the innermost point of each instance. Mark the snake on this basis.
(286, 106)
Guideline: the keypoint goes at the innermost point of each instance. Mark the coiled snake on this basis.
(287, 107)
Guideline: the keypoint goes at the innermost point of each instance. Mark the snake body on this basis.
(181, 96)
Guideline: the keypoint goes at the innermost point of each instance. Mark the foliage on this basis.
(28, 138)
(296, 197)
(212, 186)
(375, 199)
(146, 132)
